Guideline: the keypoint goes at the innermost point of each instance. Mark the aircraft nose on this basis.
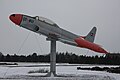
(16, 18)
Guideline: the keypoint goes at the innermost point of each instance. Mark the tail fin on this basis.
(91, 35)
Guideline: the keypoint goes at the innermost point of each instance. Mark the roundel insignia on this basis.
(92, 34)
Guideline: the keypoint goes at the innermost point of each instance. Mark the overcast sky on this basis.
(77, 16)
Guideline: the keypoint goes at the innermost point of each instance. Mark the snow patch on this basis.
(68, 72)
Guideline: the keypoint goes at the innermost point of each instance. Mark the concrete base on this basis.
(51, 74)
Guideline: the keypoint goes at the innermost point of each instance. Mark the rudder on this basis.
(91, 35)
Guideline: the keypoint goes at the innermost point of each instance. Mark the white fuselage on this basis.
(47, 28)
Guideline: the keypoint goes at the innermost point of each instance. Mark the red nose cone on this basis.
(16, 18)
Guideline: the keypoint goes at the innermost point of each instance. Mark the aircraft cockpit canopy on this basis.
(46, 20)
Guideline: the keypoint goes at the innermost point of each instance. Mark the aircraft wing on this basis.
(54, 36)
(67, 42)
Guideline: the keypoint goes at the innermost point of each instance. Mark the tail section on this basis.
(87, 42)
(91, 35)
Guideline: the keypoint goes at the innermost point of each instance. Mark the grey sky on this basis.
(77, 16)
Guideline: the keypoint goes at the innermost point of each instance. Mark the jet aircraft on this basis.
(48, 28)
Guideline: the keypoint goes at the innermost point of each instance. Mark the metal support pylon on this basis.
(52, 72)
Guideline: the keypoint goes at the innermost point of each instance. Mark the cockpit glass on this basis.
(46, 20)
(37, 17)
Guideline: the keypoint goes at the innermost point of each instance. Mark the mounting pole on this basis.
(52, 72)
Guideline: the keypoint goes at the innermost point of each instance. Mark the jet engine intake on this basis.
(32, 28)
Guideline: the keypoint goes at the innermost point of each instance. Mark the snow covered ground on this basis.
(69, 72)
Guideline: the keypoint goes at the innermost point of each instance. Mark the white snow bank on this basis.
(68, 73)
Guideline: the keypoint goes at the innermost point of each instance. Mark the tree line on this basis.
(66, 57)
